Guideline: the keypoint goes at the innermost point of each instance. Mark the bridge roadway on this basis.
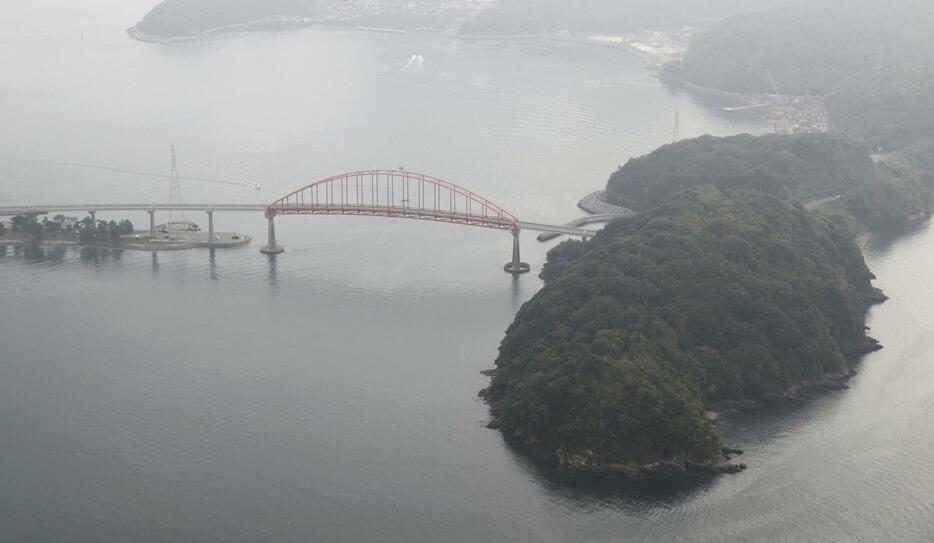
(586, 219)
(556, 229)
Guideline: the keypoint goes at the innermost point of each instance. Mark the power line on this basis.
(248, 184)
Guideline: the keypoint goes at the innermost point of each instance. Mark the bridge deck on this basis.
(45, 209)
(261, 208)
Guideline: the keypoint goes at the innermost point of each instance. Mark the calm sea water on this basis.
(330, 394)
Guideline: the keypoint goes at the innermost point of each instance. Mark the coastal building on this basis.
(179, 226)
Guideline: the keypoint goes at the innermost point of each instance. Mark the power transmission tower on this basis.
(175, 188)
(676, 133)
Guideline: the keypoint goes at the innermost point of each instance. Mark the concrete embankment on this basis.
(595, 203)
(600, 211)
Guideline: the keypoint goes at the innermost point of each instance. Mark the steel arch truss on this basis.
(394, 193)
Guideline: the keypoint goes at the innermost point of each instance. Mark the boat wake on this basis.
(415, 63)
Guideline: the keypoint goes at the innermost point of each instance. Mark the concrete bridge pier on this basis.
(152, 224)
(272, 248)
(210, 228)
(516, 267)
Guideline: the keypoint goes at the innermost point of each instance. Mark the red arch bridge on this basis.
(375, 193)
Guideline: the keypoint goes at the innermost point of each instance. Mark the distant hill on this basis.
(810, 48)
(182, 18)
(890, 109)
(792, 167)
(799, 168)
(611, 16)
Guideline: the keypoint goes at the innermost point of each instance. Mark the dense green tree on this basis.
(52, 229)
(28, 226)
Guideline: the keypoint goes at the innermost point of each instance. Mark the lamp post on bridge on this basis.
(516, 266)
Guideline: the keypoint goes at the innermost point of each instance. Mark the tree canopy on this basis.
(801, 167)
(707, 298)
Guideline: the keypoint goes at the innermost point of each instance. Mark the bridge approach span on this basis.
(7, 211)
(375, 193)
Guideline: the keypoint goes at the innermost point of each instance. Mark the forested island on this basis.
(710, 299)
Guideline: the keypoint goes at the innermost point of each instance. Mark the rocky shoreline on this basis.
(588, 463)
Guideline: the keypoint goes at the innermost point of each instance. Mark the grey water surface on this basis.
(331, 394)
